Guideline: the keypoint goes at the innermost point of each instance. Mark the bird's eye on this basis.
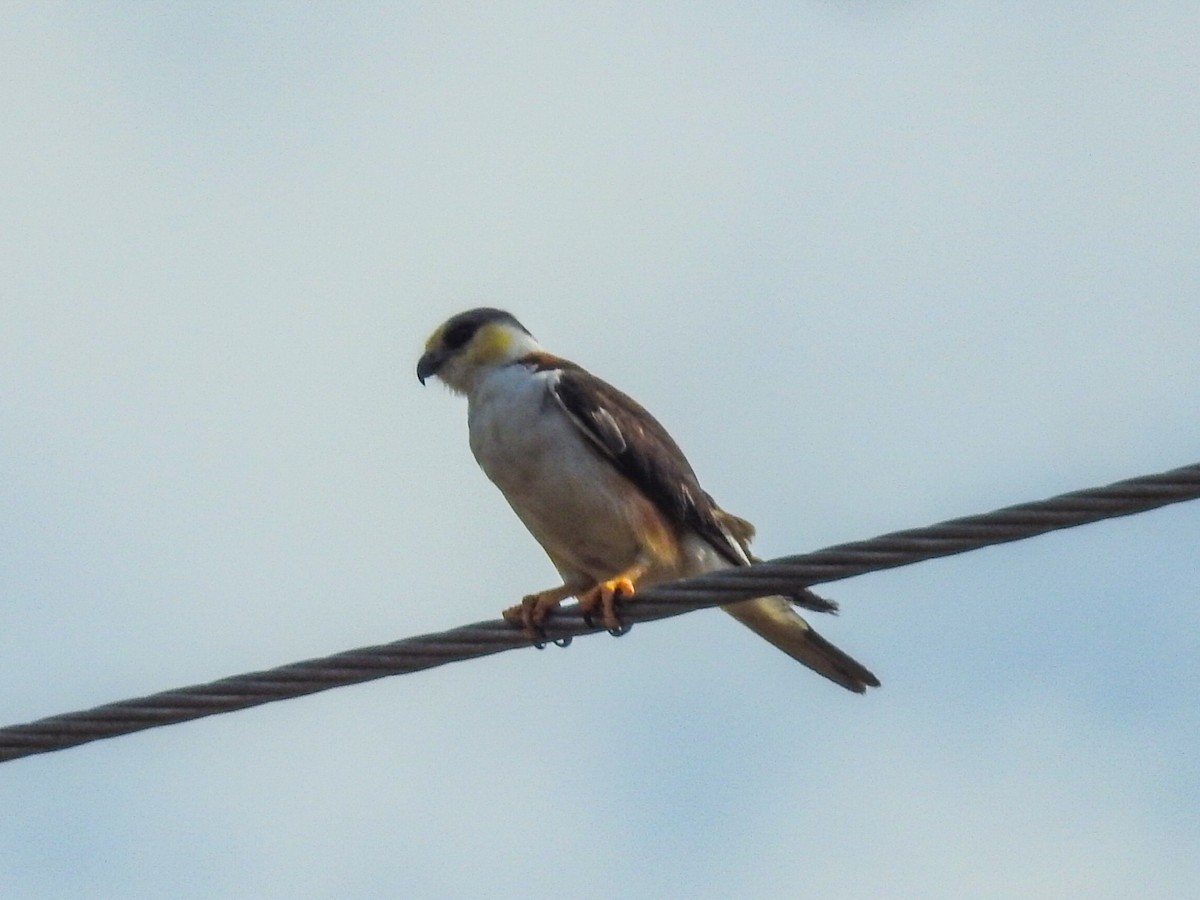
(457, 335)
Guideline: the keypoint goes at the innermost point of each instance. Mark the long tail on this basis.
(774, 619)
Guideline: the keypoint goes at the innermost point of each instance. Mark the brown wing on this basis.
(625, 434)
(641, 449)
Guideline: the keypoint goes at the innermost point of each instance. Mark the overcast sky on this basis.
(874, 264)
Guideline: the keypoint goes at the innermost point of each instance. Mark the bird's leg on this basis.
(607, 595)
(531, 612)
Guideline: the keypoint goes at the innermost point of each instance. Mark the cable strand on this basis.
(786, 575)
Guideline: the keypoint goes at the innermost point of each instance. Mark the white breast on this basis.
(571, 500)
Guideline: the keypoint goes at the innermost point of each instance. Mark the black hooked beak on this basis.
(428, 364)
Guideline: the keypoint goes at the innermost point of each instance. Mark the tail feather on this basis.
(774, 619)
(815, 602)
(803, 597)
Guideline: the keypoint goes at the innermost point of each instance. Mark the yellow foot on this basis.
(607, 596)
(531, 612)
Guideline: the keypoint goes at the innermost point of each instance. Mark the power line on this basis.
(787, 575)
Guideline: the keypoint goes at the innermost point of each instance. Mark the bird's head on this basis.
(470, 343)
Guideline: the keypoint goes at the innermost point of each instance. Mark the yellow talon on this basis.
(606, 596)
(531, 612)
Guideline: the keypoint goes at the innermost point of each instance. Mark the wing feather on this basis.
(633, 441)
(637, 445)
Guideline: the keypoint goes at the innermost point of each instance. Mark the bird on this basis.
(603, 487)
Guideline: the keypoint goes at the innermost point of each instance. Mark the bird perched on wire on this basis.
(602, 487)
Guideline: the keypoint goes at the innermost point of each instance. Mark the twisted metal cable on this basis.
(787, 575)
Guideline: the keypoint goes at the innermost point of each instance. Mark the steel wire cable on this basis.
(787, 575)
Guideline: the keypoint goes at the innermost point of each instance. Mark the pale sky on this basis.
(874, 265)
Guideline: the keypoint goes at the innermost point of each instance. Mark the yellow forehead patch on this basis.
(435, 339)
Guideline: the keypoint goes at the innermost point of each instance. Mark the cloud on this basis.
(873, 269)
